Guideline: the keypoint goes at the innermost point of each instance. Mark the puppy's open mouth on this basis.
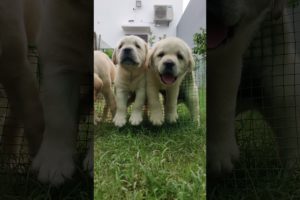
(168, 78)
(218, 33)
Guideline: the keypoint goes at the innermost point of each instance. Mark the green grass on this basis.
(258, 174)
(149, 162)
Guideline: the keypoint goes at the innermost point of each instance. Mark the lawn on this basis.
(147, 162)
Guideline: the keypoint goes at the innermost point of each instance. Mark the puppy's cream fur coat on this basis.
(224, 73)
(130, 55)
(106, 71)
(170, 62)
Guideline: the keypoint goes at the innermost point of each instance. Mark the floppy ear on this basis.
(146, 48)
(149, 60)
(114, 57)
(277, 8)
(146, 54)
(191, 62)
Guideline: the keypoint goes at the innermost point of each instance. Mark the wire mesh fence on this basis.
(267, 128)
(14, 152)
(15, 163)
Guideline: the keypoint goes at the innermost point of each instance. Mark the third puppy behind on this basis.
(104, 76)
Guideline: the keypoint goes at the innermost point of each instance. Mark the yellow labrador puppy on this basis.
(19, 24)
(231, 26)
(170, 61)
(106, 71)
(65, 46)
(130, 55)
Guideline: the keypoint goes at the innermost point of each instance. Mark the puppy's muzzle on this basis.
(127, 51)
(168, 67)
(167, 75)
(217, 32)
(225, 12)
(222, 20)
(128, 57)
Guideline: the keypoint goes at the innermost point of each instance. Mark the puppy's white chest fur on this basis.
(130, 80)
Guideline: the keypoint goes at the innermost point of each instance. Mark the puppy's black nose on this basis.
(127, 50)
(169, 65)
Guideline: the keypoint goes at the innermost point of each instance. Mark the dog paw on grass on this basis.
(119, 120)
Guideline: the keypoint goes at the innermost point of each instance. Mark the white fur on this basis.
(182, 69)
(130, 78)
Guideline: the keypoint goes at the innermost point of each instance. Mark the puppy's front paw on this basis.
(156, 118)
(119, 120)
(54, 164)
(221, 156)
(136, 118)
(171, 117)
(96, 119)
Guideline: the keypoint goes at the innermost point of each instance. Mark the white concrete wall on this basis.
(192, 19)
(110, 15)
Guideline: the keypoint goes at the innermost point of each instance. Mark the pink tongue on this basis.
(168, 79)
(216, 34)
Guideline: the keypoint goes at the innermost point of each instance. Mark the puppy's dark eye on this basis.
(161, 54)
(121, 45)
(137, 46)
(180, 56)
